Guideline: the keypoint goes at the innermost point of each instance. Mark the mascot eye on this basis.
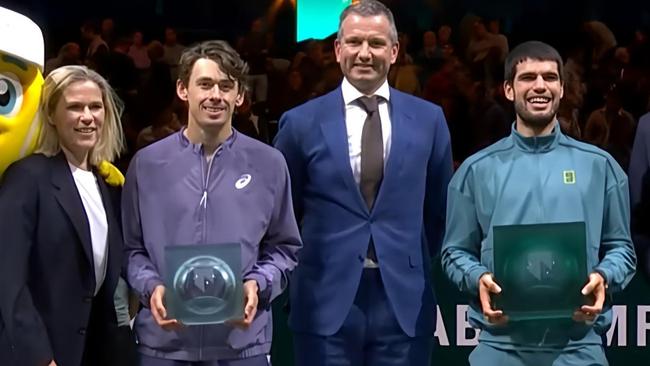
(11, 96)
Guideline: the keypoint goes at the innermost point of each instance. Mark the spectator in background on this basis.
(254, 48)
(69, 54)
(430, 51)
(500, 40)
(487, 121)
(640, 46)
(172, 52)
(157, 90)
(330, 80)
(119, 70)
(571, 105)
(138, 52)
(444, 40)
(484, 53)
(311, 64)
(612, 128)
(164, 123)
(246, 122)
(481, 43)
(97, 48)
(430, 58)
(403, 74)
(602, 40)
(159, 74)
(108, 31)
(295, 92)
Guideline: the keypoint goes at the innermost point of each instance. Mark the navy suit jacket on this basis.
(47, 279)
(406, 222)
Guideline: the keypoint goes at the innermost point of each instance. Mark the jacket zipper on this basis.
(538, 184)
(204, 205)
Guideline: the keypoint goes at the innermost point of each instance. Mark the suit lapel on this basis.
(336, 139)
(68, 197)
(399, 143)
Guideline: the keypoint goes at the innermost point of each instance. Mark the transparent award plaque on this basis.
(204, 283)
(541, 270)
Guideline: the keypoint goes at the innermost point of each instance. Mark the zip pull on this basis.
(204, 199)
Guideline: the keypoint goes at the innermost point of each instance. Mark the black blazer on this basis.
(47, 280)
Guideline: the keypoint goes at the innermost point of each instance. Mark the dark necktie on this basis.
(372, 157)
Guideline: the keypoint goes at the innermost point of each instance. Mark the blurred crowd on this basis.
(460, 68)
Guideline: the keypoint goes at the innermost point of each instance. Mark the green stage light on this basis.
(318, 18)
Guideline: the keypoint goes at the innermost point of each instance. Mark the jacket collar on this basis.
(198, 148)
(537, 144)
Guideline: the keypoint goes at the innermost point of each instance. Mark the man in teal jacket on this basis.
(538, 175)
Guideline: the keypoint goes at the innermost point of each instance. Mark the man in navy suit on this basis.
(369, 167)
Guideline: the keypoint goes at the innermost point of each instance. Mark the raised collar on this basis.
(198, 148)
(537, 144)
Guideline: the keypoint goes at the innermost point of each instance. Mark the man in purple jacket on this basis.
(209, 184)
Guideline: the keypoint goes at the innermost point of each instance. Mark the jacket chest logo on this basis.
(243, 181)
(569, 176)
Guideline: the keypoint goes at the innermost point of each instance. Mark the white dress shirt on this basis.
(355, 117)
(98, 224)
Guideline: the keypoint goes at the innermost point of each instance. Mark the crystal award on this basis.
(541, 269)
(204, 283)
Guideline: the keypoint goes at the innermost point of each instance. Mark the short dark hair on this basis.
(531, 50)
(220, 52)
(368, 8)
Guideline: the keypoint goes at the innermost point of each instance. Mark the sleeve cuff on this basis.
(604, 273)
(264, 290)
(149, 286)
(474, 276)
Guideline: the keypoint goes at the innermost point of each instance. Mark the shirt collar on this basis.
(537, 144)
(350, 93)
(198, 147)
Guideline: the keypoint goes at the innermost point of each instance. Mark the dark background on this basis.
(548, 20)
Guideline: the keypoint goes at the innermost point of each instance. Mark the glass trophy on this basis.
(541, 269)
(204, 283)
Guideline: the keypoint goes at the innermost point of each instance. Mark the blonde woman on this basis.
(61, 239)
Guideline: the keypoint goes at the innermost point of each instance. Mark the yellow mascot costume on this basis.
(21, 80)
